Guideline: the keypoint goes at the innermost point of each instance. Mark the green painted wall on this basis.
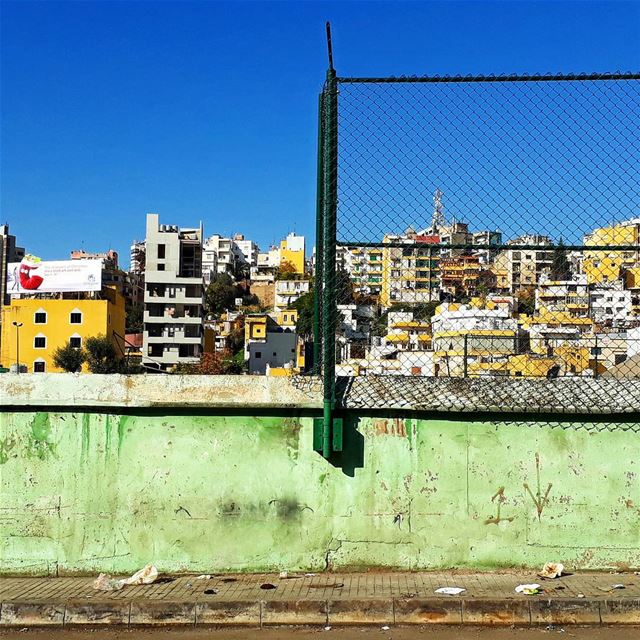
(98, 492)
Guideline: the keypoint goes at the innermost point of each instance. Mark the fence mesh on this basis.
(479, 227)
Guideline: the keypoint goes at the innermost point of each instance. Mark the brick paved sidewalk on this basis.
(325, 599)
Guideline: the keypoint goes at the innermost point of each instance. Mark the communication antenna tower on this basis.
(437, 218)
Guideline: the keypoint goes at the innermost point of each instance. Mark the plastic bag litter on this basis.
(450, 591)
(105, 582)
(204, 576)
(146, 575)
(551, 570)
(611, 588)
(528, 589)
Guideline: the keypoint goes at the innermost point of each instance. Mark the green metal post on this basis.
(329, 255)
(318, 285)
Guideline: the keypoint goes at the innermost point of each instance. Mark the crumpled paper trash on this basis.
(146, 575)
(551, 570)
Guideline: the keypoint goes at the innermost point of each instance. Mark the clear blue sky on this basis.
(207, 110)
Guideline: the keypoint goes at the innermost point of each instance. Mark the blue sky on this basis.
(207, 110)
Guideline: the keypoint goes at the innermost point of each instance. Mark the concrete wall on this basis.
(214, 489)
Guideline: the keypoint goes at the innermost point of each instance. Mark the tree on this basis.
(560, 268)
(134, 316)
(69, 358)
(526, 301)
(213, 364)
(305, 306)
(286, 271)
(220, 294)
(101, 355)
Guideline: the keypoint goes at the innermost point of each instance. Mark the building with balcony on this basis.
(481, 332)
(173, 299)
(288, 291)
(524, 267)
(460, 275)
(571, 296)
(410, 274)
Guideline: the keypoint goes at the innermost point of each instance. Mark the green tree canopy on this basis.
(69, 358)
(101, 355)
(220, 294)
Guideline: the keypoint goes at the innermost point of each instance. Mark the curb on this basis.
(361, 611)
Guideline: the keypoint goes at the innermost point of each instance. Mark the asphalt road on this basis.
(315, 633)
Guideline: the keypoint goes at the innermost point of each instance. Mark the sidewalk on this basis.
(325, 599)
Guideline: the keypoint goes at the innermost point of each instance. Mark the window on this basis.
(161, 250)
(258, 354)
(40, 317)
(39, 366)
(160, 267)
(75, 342)
(40, 342)
(75, 317)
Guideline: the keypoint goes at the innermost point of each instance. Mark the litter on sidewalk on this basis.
(613, 587)
(146, 575)
(528, 589)
(551, 570)
(450, 591)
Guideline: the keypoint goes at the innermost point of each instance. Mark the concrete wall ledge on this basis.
(166, 391)
(567, 396)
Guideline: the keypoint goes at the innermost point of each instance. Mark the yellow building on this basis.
(606, 266)
(47, 324)
(292, 250)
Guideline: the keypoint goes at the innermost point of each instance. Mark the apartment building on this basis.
(611, 304)
(137, 257)
(486, 238)
(481, 332)
(173, 298)
(220, 255)
(46, 323)
(288, 291)
(292, 250)
(460, 275)
(410, 273)
(570, 295)
(524, 267)
(608, 265)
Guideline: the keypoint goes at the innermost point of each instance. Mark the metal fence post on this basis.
(330, 207)
(318, 283)
(595, 349)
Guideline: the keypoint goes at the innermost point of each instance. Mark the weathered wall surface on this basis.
(100, 491)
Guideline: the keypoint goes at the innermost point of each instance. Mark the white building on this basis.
(288, 291)
(267, 263)
(571, 295)
(173, 298)
(220, 255)
(610, 304)
(137, 257)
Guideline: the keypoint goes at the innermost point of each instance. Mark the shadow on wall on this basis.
(352, 455)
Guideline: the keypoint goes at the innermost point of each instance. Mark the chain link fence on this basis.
(478, 227)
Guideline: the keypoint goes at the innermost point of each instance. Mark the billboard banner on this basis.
(33, 275)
